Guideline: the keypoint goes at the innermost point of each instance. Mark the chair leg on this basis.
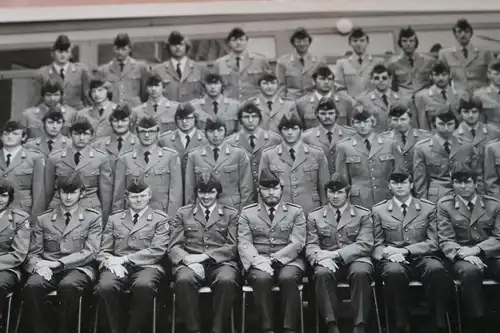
(154, 314)
(79, 328)
(243, 311)
(301, 312)
(9, 311)
(19, 316)
(457, 302)
(173, 313)
(96, 318)
(377, 312)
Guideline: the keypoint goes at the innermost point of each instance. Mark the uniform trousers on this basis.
(358, 274)
(222, 279)
(287, 278)
(70, 286)
(8, 281)
(143, 285)
(433, 275)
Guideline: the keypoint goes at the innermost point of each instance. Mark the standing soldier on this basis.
(133, 244)
(411, 69)
(438, 98)
(406, 247)
(230, 165)
(182, 77)
(353, 73)
(328, 133)
(203, 251)
(215, 105)
(53, 139)
(338, 247)
(468, 63)
(490, 96)
(92, 164)
(240, 69)
(158, 106)
(433, 157)
(294, 70)
(365, 160)
(469, 236)
(302, 168)
(73, 77)
(64, 245)
(52, 93)
(271, 236)
(159, 166)
(324, 88)
(127, 75)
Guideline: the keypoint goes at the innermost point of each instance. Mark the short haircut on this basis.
(249, 107)
(51, 87)
(213, 124)
(154, 80)
(207, 185)
(122, 40)
(379, 69)
(356, 33)
(71, 183)
(407, 33)
(7, 187)
(300, 33)
(323, 71)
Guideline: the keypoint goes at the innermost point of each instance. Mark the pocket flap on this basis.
(325, 232)
(161, 171)
(286, 226)
(166, 121)
(200, 169)
(275, 168)
(94, 172)
(353, 159)
(23, 172)
(497, 161)
(386, 157)
(311, 167)
(390, 226)
(231, 168)
(354, 192)
(192, 227)
(50, 237)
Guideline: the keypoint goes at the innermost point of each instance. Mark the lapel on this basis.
(462, 208)
(86, 158)
(171, 70)
(67, 157)
(208, 156)
(377, 145)
(367, 59)
(322, 137)
(285, 154)
(6, 220)
(347, 215)
(3, 165)
(309, 62)
(247, 60)
(129, 66)
(455, 145)
(223, 107)
(301, 155)
(77, 219)
(243, 142)
(263, 215)
(358, 143)
(115, 68)
(478, 211)
(187, 70)
(177, 142)
(473, 54)
(18, 159)
(418, 62)
(70, 75)
(127, 219)
(435, 94)
(215, 216)
(412, 212)
(55, 75)
(154, 158)
(199, 214)
(411, 139)
(143, 221)
(395, 211)
(377, 100)
(57, 220)
(224, 153)
(280, 213)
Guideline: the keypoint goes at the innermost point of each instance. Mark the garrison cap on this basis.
(397, 110)
(154, 80)
(97, 82)
(436, 47)
(137, 186)
(361, 115)
(213, 78)
(51, 87)
(472, 103)
(398, 175)
(12, 125)
(175, 38)
(213, 124)
(62, 43)
(236, 32)
(54, 114)
(184, 110)
(462, 172)
(81, 127)
(326, 104)
(439, 68)
(336, 183)
(122, 40)
(290, 122)
(249, 107)
(147, 122)
(121, 112)
(70, 183)
(268, 178)
(446, 116)
(268, 77)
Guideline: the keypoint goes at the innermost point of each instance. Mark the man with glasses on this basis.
(490, 96)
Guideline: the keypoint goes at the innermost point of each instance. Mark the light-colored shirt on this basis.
(182, 63)
(133, 212)
(183, 136)
(399, 203)
(12, 153)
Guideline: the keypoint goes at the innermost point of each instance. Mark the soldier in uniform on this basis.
(381, 98)
(366, 159)
(92, 164)
(328, 133)
(240, 69)
(302, 168)
(53, 139)
(272, 106)
(468, 63)
(271, 236)
(294, 70)
(52, 93)
(215, 105)
(73, 77)
(338, 247)
(324, 88)
(253, 138)
(182, 77)
(64, 245)
(158, 106)
(490, 96)
(433, 157)
(203, 252)
(469, 236)
(133, 244)
(438, 98)
(406, 248)
(127, 75)
(159, 166)
(411, 69)
(229, 163)
(353, 73)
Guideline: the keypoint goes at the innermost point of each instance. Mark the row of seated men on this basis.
(272, 242)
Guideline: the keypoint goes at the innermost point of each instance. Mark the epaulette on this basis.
(250, 206)
(100, 151)
(230, 208)
(161, 213)
(380, 203)
(269, 148)
(93, 210)
(20, 213)
(386, 133)
(428, 202)
(316, 209)
(309, 130)
(293, 205)
(362, 208)
(60, 150)
(492, 141)
(165, 134)
(423, 141)
(117, 212)
(489, 197)
(170, 150)
(50, 210)
(254, 98)
(33, 151)
(446, 198)
(315, 147)
(345, 139)
(349, 128)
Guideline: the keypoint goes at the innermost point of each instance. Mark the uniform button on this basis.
(206, 238)
(146, 175)
(206, 246)
(373, 177)
(133, 238)
(406, 162)
(375, 187)
(217, 172)
(272, 245)
(405, 154)
(372, 169)
(272, 238)
(371, 161)
(293, 171)
(65, 240)
(295, 179)
(294, 186)
(295, 194)
(406, 229)
(407, 239)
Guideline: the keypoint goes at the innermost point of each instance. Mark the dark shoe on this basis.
(332, 327)
(359, 328)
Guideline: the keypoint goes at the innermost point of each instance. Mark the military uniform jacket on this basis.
(302, 179)
(458, 227)
(471, 72)
(102, 126)
(75, 245)
(232, 169)
(491, 104)
(492, 168)
(32, 119)
(368, 172)
(271, 118)
(430, 102)
(129, 86)
(295, 79)
(144, 243)
(185, 88)
(412, 78)
(162, 173)
(25, 173)
(95, 172)
(351, 237)
(109, 145)
(317, 137)
(283, 238)
(416, 232)
(432, 165)
(192, 234)
(76, 84)
(227, 112)
(306, 108)
(243, 83)
(40, 144)
(352, 76)
(164, 114)
(14, 240)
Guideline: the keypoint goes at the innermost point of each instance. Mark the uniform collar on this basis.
(342, 209)
(399, 203)
(211, 208)
(12, 153)
(474, 200)
(182, 62)
(133, 212)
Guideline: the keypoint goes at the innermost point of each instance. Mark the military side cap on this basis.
(121, 112)
(12, 125)
(184, 110)
(446, 116)
(236, 33)
(436, 47)
(175, 38)
(463, 24)
(213, 124)
(137, 186)
(326, 104)
(336, 183)
(473, 103)
(213, 78)
(439, 68)
(62, 43)
(154, 80)
(54, 114)
(290, 122)
(98, 81)
(399, 175)
(361, 114)
(122, 40)
(268, 178)
(81, 127)
(268, 77)
(147, 122)
(462, 172)
(71, 183)
(397, 110)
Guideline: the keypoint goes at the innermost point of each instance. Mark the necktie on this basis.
(338, 215)
(465, 52)
(368, 145)
(77, 157)
(443, 93)
(188, 140)
(8, 159)
(68, 218)
(207, 214)
(136, 218)
(122, 65)
(302, 61)
(252, 141)
(146, 156)
(329, 134)
(447, 147)
(270, 105)
(412, 62)
(470, 205)
(292, 154)
(403, 207)
(216, 154)
(155, 107)
(403, 138)
(50, 144)
(61, 72)
(360, 60)
(101, 112)
(238, 62)
(178, 70)
(473, 132)
(271, 213)
(386, 101)
(216, 106)
(120, 143)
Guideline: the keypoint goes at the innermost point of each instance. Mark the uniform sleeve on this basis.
(176, 251)
(340, 164)
(378, 237)
(491, 245)
(446, 234)
(228, 251)
(338, 72)
(85, 86)
(296, 242)
(323, 177)
(364, 242)
(190, 181)
(247, 251)
(145, 74)
(36, 246)
(50, 177)
(119, 186)
(477, 160)
(399, 161)
(19, 249)
(281, 75)
(175, 190)
(490, 172)
(420, 178)
(105, 186)
(153, 254)
(38, 187)
(312, 240)
(430, 245)
(246, 180)
(423, 121)
(106, 248)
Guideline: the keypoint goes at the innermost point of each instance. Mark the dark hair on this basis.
(213, 124)
(176, 38)
(462, 24)
(473, 103)
(121, 112)
(357, 32)
(51, 87)
(122, 40)
(268, 77)
(300, 33)
(146, 122)
(81, 126)
(407, 33)
(54, 114)
(6, 186)
(323, 71)
(154, 80)
(71, 183)
(379, 69)
(62, 43)
(290, 122)
(236, 32)
(249, 107)
(207, 185)
(98, 82)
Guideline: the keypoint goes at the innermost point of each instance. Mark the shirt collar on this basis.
(182, 62)
(379, 93)
(399, 203)
(58, 67)
(342, 209)
(255, 134)
(467, 127)
(133, 212)
(72, 212)
(269, 207)
(467, 202)
(190, 133)
(13, 153)
(211, 208)
(441, 140)
(319, 96)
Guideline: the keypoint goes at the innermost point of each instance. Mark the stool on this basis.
(202, 290)
(248, 289)
(9, 298)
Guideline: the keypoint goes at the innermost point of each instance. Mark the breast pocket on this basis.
(254, 75)
(391, 231)
(146, 238)
(191, 233)
(201, 172)
(419, 231)
(276, 169)
(351, 233)
(134, 82)
(51, 243)
(163, 175)
(285, 231)
(354, 165)
(24, 177)
(91, 177)
(131, 175)
(79, 241)
(231, 172)
(311, 172)
(386, 158)
(6, 239)
(486, 225)
(461, 228)
(258, 231)
(325, 236)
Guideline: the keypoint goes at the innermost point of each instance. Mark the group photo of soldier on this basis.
(243, 195)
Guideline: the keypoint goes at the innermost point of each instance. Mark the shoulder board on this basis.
(191, 206)
(57, 151)
(293, 205)
(161, 213)
(196, 101)
(47, 211)
(170, 150)
(379, 203)
(309, 130)
(489, 197)
(493, 141)
(117, 212)
(427, 202)
(250, 206)
(344, 140)
(349, 128)
(20, 212)
(446, 198)
(33, 151)
(362, 208)
(229, 208)
(423, 141)
(386, 133)
(269, 148)
(100, 151)
(316, 209)
(314, 147)
(254, 98)
(93, 210)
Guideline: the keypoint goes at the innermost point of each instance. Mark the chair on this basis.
(248, 289)
(202, 290)
(8, 298)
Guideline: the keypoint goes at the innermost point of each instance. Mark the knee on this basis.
(322, 273)
(470, 273)
(436, 269)
(143, 287)
(104, 288)
(287, 279)
(393, 271)
(226, 281)
(68, 288)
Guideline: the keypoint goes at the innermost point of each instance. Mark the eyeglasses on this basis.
(381, 77)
